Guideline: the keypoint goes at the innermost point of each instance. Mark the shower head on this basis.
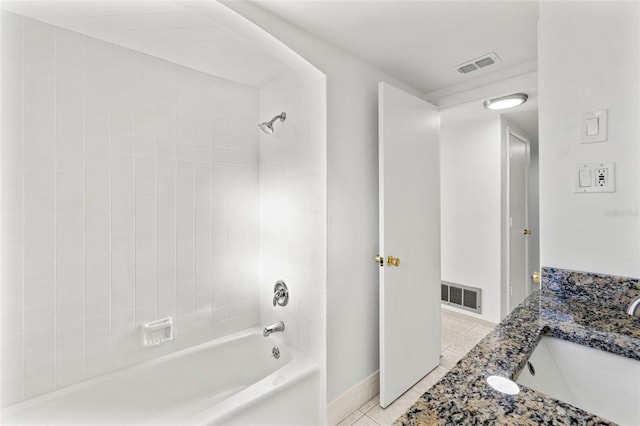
(267, 126)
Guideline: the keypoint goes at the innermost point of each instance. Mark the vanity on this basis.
(583, 309)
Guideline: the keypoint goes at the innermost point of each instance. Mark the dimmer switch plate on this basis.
(595, 177)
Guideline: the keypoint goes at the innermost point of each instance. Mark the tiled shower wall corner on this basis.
(293, 221)
(129, 193)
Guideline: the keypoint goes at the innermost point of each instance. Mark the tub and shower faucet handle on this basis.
(280, 294)
(273, 328)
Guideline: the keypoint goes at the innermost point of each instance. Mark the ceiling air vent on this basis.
(481, 62)
(467, 68)
(484, 62)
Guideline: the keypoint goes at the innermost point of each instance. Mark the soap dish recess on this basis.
(156, 332)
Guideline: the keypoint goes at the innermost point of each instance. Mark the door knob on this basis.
(527, 232)
(380, 260)
(395, 261)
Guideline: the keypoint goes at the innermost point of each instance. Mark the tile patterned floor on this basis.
(460, 333)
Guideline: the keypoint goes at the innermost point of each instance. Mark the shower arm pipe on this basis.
(282, 116)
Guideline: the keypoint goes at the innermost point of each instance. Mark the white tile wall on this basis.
(293, 224)
(129, 193)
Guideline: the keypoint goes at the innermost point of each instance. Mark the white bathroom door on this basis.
(409, 185)
(519, 279)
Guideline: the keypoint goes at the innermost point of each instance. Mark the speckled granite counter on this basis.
(584, 308)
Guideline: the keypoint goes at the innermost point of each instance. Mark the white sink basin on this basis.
(599, 382)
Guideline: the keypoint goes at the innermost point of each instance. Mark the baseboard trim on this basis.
(354, 398)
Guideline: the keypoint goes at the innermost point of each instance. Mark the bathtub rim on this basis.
(11, 410)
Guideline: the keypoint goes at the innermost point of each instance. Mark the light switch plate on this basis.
(595, 177)
(594, 126)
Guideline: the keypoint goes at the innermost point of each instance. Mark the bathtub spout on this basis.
(273, 328)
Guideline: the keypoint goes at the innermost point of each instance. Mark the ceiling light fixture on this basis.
(505, 102)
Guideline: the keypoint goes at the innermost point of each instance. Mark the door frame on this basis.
(505, 299)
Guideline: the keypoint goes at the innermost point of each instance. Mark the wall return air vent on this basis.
(461, 296)
(477, 63)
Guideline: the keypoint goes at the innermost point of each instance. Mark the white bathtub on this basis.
(229, 381)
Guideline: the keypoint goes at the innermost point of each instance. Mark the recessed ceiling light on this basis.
(505, 102)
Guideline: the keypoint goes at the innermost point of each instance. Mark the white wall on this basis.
(470, 156)
(123, 177)
(589, 58)
(352, 162)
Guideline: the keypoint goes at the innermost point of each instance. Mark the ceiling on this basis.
(421, 42)
(418, 42)
(202, 38)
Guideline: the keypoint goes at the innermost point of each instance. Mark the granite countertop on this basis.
(588, 309)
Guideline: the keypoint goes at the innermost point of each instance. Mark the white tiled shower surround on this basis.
(293, 210)
(129, 193)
